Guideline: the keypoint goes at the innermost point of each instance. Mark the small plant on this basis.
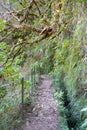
(84, 125)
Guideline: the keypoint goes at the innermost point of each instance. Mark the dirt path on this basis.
(44, 114)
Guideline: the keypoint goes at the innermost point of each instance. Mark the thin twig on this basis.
(6, 36)
(26, 11)
(37, 8)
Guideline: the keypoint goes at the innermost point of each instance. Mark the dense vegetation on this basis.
(53, 35)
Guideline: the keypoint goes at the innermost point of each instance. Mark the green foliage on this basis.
(63, 55)
(3, 52)
(2, 24)
(10, 94)
(70, 68)
(84, 125)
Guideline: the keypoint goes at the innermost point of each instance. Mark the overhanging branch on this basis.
(25, 27)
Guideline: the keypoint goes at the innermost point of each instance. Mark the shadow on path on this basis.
(44, 114)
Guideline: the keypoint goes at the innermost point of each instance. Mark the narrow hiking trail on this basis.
(44, 114)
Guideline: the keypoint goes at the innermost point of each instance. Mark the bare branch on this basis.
(10, 12)
(25, 27)
(27, 11)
